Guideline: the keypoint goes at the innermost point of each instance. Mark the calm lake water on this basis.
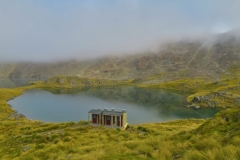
(142, 105)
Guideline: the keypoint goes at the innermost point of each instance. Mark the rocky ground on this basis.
(173, 61)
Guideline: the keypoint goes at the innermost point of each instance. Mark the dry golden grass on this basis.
(228, 86)
(180, 139)
(187, 139)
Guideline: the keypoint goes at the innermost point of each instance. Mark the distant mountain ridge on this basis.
(175, 60)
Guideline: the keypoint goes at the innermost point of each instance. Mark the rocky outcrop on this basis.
(193, 106)
(221, 99)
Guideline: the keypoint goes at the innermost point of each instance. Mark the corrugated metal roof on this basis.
(96, 111)
(106, 112)
(112, 113)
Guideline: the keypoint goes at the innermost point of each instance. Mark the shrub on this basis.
(36, 136)
(54, 136)
(143, 129)
(131, 145)
(145, 150)
(66, 134)
(70, 123)
(82, 122)
(39, 146)
(67, 139)
(41, 140)
(56, 140)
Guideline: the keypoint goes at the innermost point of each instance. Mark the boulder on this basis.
(60, 80)
(26, 148)
(196, 99)
(193, 106)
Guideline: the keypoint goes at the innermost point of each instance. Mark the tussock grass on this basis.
(181, 139)
(187, 139)
(223, 92)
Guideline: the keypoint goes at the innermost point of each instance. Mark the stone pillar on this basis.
(115, 121)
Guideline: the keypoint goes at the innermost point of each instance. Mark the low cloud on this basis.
(57, 30)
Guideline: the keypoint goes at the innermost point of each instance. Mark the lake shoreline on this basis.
(32, 139)
(106, 97)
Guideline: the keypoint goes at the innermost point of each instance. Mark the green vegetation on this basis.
(208, 75)
(216, 138)
(7, 94)
(75, 81)
(201, 91)
(173, 61)
(206, 93)
(210, 139)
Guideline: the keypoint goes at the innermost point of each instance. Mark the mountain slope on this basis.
(175, 60)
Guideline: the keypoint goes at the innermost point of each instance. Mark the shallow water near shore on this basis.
(142, 105)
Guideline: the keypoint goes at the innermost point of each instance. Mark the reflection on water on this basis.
(142, 105)
(17, 82)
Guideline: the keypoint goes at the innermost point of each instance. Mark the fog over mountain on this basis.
(46, 31)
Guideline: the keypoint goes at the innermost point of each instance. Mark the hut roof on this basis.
(95, 111)
(106, 112)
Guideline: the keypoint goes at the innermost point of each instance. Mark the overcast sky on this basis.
(45, 30)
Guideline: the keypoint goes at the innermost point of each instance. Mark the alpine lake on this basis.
(142, 105)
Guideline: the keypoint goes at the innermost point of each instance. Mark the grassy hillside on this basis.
(75, 81)
(173, 61)
(216, 138)
(208, 75)
(223, 92)
(6, 69)
(201, 92)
